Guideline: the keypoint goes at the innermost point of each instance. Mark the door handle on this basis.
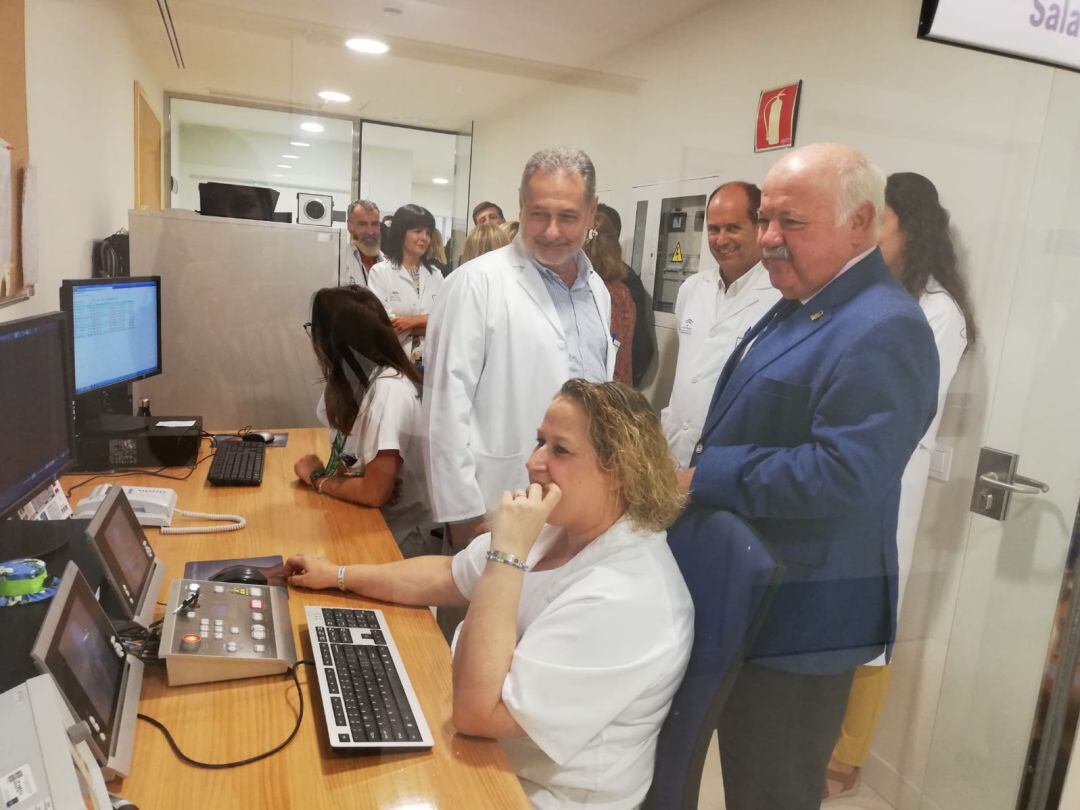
(996, 481)
(1021, 484)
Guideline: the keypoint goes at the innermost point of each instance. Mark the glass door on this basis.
(1010, 581)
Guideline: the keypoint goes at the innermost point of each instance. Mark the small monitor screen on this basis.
(116, 330)
(120, 541)
(35, 407)
(75, 646)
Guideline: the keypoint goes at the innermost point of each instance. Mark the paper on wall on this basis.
(29, 227)
(5, 218)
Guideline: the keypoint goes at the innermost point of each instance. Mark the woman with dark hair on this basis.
(916, 244)
(371, 403)
(579, 623)
(606, 257)
(407, 282)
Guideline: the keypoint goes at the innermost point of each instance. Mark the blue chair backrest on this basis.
(732, 577)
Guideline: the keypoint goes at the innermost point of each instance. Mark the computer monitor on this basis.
(116, 329)
(36, 426)
(241, 202)
(132, 570)
(100, 682)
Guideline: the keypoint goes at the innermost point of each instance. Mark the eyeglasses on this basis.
(307, 328)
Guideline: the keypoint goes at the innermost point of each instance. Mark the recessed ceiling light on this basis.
(311, 126)
(439, 181)
(298, 143)
(334, 95)
(284, 166)
(366, 45)
(291, 157)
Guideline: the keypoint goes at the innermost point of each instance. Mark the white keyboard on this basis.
(368, 701)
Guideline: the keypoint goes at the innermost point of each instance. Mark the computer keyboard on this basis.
(237, 463)
(368, 701)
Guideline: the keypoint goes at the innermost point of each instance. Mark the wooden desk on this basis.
(233, 720)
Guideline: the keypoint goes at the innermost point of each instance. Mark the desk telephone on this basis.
(155, 506)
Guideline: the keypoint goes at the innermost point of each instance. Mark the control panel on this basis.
(218, 631)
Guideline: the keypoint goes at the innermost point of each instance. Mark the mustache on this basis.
(779, 252)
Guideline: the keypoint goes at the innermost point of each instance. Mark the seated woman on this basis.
(578, 631)
(407, 283)
(371, 404)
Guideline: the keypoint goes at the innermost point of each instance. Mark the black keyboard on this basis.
(237, 463)
(368, 701)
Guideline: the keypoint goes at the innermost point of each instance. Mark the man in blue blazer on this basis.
(813, 419)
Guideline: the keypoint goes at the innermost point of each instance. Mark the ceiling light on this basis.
(366, 45)
(439, 181)
(291, 157)
(311, 126)
(277, 175)
(284, 166)
(334, 95)
(298, 143)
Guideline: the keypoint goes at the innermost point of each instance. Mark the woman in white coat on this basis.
(406, 283)
(578, 631)
(916, 244)
(371, 403)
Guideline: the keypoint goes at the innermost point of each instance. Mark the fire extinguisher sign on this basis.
(777, 114)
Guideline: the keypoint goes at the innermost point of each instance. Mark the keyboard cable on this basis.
(222, 765)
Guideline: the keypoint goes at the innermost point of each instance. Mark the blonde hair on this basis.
(511, 228)
(629, 444)
(483, 239)
(436, 250)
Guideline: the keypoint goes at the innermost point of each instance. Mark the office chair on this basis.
(732, 578)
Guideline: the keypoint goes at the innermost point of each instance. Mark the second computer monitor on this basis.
(133, 572)
(116, 329)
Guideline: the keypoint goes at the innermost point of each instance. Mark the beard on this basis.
(369, 246)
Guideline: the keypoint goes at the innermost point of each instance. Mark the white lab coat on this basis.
(496, 355)
(354, 269)
(393, 285)
(950, 336)
(603, 642)
(710, 323)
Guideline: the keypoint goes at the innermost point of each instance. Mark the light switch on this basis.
(940, 462)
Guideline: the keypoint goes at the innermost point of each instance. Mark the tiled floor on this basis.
(712, 790)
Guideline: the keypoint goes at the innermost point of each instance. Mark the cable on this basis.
(222, 765)
(125, 473)
(238, 522)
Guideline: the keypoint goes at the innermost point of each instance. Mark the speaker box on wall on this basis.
(314, 209)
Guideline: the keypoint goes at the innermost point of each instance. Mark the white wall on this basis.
(81, 64)
(972, 122)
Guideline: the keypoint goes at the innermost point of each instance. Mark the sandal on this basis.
(840, 783)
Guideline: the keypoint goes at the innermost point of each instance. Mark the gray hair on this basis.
(860, 182)
(560, 159)
(367, 205)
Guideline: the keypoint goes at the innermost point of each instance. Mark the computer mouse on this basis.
(241, 574)
(259, 436)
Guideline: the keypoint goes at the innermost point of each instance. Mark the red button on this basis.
(256, 604)
(191, 638)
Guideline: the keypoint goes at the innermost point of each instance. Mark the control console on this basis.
(218, 631)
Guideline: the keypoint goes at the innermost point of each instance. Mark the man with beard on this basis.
(363, 251)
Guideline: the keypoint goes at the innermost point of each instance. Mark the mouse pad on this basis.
(280, 439)
(272, 567)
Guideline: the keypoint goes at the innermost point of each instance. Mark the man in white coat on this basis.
(362, 252)
(509, 328)
(713, 310)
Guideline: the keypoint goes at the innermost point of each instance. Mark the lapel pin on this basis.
(817, 314)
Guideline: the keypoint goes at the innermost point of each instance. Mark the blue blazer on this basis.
(806, 438)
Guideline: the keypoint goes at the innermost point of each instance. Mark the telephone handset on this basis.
(153, 506)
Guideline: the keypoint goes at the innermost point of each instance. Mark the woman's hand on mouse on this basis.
(520, 518)
(305, 571)
(306, 466)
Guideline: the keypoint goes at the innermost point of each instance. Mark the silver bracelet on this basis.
(341, 579)
(506, 559)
